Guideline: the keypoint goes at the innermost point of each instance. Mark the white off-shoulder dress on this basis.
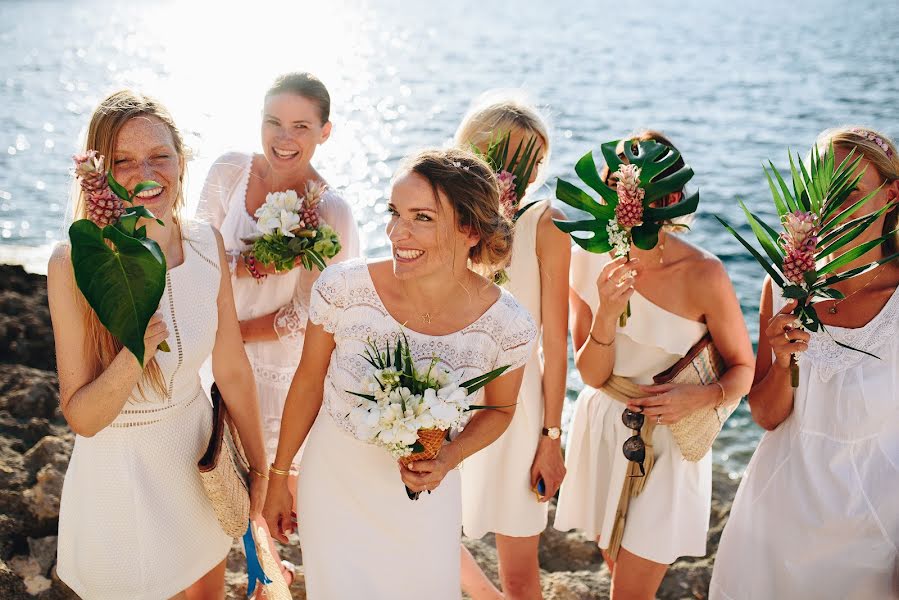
(134, 520)
(670, 518)
(360, 534)
(223, 202)
(496, 482)
(816, 516)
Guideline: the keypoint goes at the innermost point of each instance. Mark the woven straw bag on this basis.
(696, 432)
(225, 471)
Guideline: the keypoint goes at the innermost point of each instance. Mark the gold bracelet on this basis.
(258, 473)
(604, 345)
(723, 399)
(276, 471)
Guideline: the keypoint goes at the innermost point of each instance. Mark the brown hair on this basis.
(306, 85)
(470, 186)
(647, 135)
(106, 122)
(885, 161)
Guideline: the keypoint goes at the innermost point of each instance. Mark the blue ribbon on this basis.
(254, 569)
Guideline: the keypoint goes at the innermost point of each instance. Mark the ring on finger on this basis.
(659, 420)
(787, 337)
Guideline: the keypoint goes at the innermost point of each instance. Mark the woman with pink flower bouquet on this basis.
(816, 513)
(506, 487)
(677, 294)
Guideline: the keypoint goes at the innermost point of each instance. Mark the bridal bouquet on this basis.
(408, 410)
(814, 225)
(289, 226)
(119, 270)
(625, 214)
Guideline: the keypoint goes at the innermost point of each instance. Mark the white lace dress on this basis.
(134, 521)
(496, 482)
(361, 536)
(223, 204)
(670, 518)
(816, 516)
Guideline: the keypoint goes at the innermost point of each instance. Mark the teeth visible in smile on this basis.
(285, 153)
(151, 193)
(409, 254)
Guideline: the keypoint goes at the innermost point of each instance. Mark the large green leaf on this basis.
(589, 174)
(775, 275)
(122, 284)
(769, 244)
(577, 198)
(851, 255)
(646, 236)
(685, 207)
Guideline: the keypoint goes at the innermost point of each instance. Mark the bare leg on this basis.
(474, 582)
(636, 578)
(519, 569)
(210, 586)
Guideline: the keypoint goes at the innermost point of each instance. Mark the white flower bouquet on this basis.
(289, 226)
(408, 410)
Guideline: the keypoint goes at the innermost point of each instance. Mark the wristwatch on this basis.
(552, 433)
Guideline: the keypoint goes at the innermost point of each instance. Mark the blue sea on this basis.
(733, 84)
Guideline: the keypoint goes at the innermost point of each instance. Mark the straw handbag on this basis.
(225, 471)
(696, 432)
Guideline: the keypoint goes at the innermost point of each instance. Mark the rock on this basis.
(560, 551)
(11, 585)
(26, 336)
(50, 450)
(576, 585)
(43, 550)
(43, 498)
(25, 566)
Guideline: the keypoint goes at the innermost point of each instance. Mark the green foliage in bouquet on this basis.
(313, 246)
(514, 173)
(120, 271)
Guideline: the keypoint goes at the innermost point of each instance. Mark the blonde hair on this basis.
(106, 122)
(471, 188)
(878, 150)
(494, 117)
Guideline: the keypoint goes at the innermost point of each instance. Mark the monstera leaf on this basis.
(653, 159)
(122, 283)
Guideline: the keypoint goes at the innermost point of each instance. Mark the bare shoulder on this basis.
(695, 262)
(548, 233)
(60, 263)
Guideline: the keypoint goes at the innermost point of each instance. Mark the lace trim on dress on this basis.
(290, 323)
(830, 358)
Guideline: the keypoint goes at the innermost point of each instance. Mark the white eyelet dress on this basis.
(670, 518)
(496, 482)
(361, 536)
(134, 520)
(223, 204)
(816, 516)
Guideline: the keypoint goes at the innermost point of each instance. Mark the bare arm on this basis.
(89, 401)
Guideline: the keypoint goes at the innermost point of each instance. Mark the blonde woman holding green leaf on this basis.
(816, 513)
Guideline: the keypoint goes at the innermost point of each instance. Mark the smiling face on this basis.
(423, 230)
(145, 150)
(291, 129)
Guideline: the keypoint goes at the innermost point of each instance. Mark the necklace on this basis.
(426, 316)
(833, 309)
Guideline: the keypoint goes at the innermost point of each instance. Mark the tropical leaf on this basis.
(851, 255)
(767, 241)
(577, 198)
(589, 174)
(475, 383)
(646, 236)
(775, 275)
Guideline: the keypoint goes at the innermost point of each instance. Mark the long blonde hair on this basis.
(878, 150)
(106, 122)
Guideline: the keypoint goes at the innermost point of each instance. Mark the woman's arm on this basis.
(554, 258)
(234, 378)
(89, 401)
(771, 396)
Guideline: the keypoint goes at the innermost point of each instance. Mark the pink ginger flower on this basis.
(103, 206)
(507, 195)
(800, 240)
(629, 211)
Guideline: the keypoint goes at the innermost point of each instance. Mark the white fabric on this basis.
(817, 513)
(223, 204)
(361, 536)
(134, 521)
(496, 482)
(670, 518)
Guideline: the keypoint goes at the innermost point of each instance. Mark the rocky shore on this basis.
(35, 445)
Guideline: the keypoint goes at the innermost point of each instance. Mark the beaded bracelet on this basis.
(249, 262)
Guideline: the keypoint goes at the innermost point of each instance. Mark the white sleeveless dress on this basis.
(816, 516)
(223, 203)
(360, 535)
(670, 518)
(134, 521)
(496, 482)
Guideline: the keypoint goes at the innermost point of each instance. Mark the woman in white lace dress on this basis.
(678, 293)
(361, 536)
(134, 519)
(817, 513)
(498, 483)
(273, 310)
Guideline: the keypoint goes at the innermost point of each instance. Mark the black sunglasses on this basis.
(634, 447)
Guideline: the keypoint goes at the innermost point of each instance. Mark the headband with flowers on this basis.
(873, 137)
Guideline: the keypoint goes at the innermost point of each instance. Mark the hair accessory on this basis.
(874, 138)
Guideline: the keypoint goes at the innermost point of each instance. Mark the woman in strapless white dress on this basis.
(134, 520)
(677, 292)
(360, 534)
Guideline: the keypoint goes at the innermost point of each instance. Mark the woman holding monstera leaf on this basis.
(134, 519)
(632, 317)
